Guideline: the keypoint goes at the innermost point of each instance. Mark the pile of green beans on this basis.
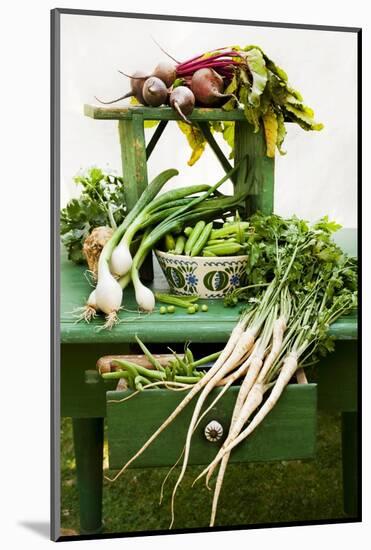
(203, 240)
(182, 369)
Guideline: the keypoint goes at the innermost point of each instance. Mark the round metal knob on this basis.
(213, 431)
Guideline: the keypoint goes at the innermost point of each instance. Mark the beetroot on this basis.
(154, 91)
(207, 86)
(166, 72)
(182, 100)
(136, 83)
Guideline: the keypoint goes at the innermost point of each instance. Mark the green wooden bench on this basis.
(84, 395)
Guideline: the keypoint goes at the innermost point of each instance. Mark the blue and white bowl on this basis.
(207, 277)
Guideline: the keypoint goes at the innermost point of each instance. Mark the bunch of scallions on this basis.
(301, 282)
(153, 216)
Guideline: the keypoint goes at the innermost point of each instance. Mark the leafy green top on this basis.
(261, 89)
(101, 203)
(314, 269)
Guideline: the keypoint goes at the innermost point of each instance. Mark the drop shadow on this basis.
(42, 528)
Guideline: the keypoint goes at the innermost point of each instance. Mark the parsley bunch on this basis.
(101, 203)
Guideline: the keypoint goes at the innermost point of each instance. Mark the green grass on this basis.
(252, 493)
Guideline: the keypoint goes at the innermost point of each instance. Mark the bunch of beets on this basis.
(199, 81)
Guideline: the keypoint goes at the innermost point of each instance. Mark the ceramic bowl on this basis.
(207, 277)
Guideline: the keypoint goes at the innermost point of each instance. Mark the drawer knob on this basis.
(213, 431)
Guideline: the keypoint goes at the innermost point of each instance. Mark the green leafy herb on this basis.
(101, 203)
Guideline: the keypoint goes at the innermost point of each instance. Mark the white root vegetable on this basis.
(121, 259)
(89, 310)
(144, 296)
(253, 399)
(251, 375)
(91, 306)
(108, 293)
(235, 335)
(278, 330)
(301, 377)
(93, 246)
(288, 370)
(243, 345)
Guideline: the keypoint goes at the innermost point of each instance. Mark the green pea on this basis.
(196, 306)
(204, 307)
(191, 309)
(162, 310)
(170, 309)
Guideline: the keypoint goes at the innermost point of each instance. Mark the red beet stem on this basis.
(228, 55)
(212, 65)
(205, 63)
(219, 50)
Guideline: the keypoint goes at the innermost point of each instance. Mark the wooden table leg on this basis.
(134, 167)
(257, 175)
(88, 444)
(350, 462)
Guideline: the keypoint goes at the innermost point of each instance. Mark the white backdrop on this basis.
(318, 174)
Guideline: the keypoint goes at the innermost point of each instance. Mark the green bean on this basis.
(196, 232)
(169, 242)
(182, 301)
(135, 369)
(188, 355)
(211, 242)
(154, 362)
(226, 249)
(230, 229)
(179, 244)
(183, 365)
(208, 253)
(206, 359)
(202, 239)
(139, 381)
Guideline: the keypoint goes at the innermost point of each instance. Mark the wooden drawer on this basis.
(289, 432)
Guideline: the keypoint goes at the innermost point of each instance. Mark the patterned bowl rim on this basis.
(203, 258)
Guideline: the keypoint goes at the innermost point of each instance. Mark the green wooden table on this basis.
(84, 396)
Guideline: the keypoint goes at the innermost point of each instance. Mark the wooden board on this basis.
(159, 113)
(289, 432)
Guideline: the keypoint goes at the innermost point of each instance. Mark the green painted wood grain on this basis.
(134, 158)
(289, 432)
(159, 113)
(134, 168)
(258, 178)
